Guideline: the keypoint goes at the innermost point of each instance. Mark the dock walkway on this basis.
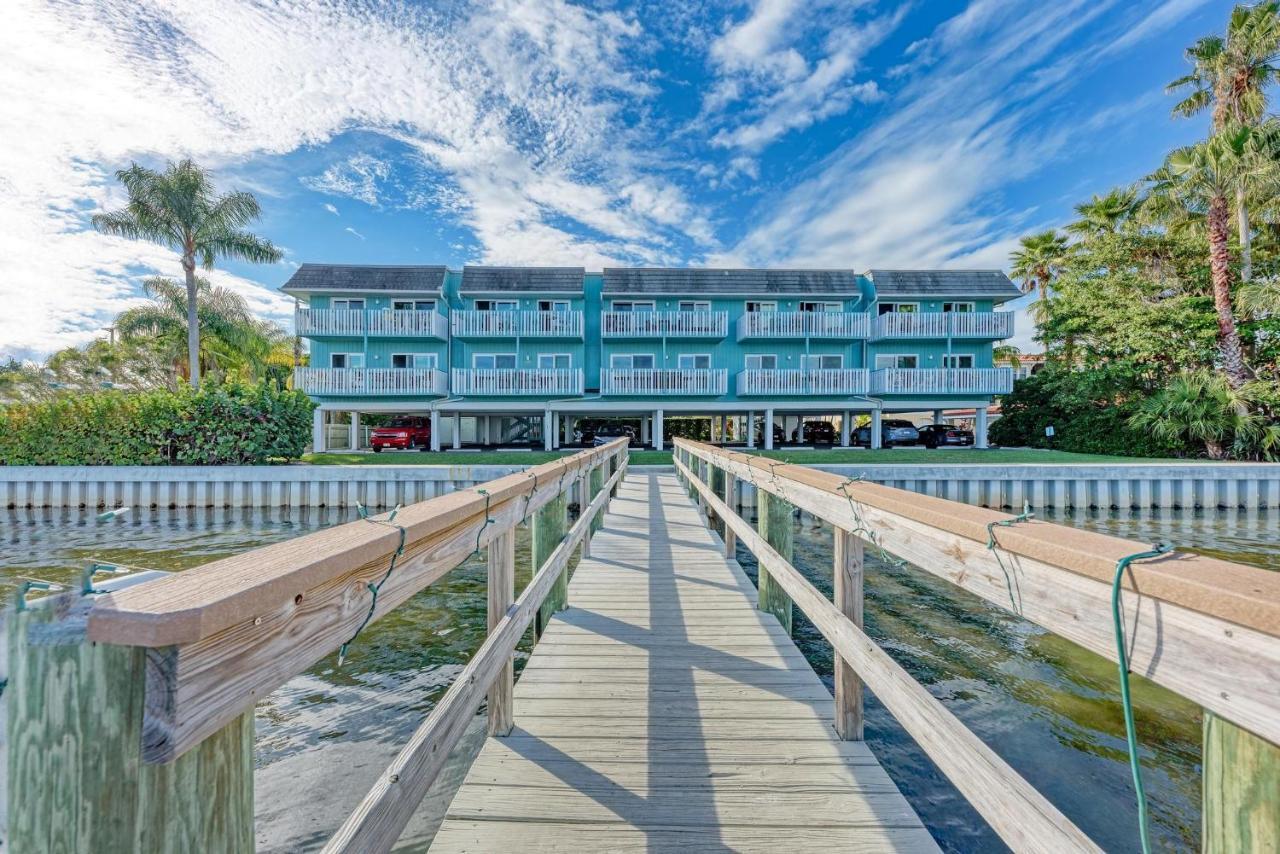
(662, 711)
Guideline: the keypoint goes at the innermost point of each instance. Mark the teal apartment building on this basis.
(503, 354)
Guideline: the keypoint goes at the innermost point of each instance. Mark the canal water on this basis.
(1046, 706)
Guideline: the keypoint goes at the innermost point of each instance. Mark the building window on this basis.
(897, 360)
(496, 305)
(754, 306)
(762, 362)
(693, 362)
(694, 305)
(631, 305)
(347, 304)
(493, 361)
(413, 305)
(415, 360)
(346, 360)
(958, 307)
(553, 361)
(822, 307)
(826, 362)
(631, 361)
(957, 360)
(899, 307)
(558, 305)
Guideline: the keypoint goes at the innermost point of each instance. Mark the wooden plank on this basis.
(1019, 814)
(501, 596)
(775, 521)
(847, 593)
(1194, 649)
(548, 526)
(730, 491)
(1241, 790)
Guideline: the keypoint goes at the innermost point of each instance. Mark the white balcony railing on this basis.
(691, 381)
(803, 324)
(665, 324)
(312, 322)
(371, 381)
(844, 381)
(547, 382)
(945, 324)
(524, 324)
(942, 381)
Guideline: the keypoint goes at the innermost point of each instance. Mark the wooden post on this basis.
(502, 594)
(847, 575)
(548, 530)
(730, 493)
(76, 779)
(1241, 780)
(716, 482)
(775, 526)
(596, 484)
(585, 494)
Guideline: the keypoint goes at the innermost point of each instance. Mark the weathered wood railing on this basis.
(1206, 629)
(123, 707)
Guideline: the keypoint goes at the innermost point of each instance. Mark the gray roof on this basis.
(533, 279)
(672, 280)
(960, 283)
(364, 277)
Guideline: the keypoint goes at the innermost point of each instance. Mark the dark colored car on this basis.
(779, 435)
(893, 431)
(817, 433)
(937, 435)
(404, 432)
(606, 433)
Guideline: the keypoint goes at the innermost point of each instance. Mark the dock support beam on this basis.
(549, 526)
(847, 576)
(1241, 784)
(775, 517)
(502, 594)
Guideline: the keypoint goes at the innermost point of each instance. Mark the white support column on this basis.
(482, 429)
(937, 416)
(768, 429)
(644, 429)
(876, 429)
(317, 431)
(457, 430)
(724, 432)
(800, 429)
(555, 431)
(846, 427)
(657, 429)
(354, 433)
(548, 430)
(751, 429)
(568, 429)
(980, 427)
(435, 429)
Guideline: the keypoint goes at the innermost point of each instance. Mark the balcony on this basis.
(705, 382)
(665, 324)
(371, 381)
(315, 322)
(517, 324)
(803, 324)
(942, 381)
(944, 324)
(503, 382)
(824, 381)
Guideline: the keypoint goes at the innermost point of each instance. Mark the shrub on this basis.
(232, 424)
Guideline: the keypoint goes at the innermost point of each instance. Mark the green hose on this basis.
(1122, 659)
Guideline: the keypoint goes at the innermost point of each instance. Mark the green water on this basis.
(1046, 706)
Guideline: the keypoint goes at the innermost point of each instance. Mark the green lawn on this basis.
(903, 456)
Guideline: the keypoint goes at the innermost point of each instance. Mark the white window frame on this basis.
(805, 358)
(633, 305)
(553, 356)
(498, 305)
(693, 305)
(970, 307)
(899, 308)
(559, 306)
(614, 358)
(347, 304)
(761, 306)
(694, 356)
(353, 361)
(423, 361)
(759, 359)
(413, 305)
(515, 363)
(948, 358)
(896, 357)
(821, 307)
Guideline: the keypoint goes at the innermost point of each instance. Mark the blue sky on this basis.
(768, 133)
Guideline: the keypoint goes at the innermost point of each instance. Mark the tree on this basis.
(181, 209)
(1105, 214)
(1037, 263)
(1231, 75)
(1201, 407)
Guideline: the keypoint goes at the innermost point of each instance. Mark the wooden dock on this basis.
(662, 711)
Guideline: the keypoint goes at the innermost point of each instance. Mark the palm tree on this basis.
(1105, 214)
(1039, 261)
(181, 208)
(1231, 75)
(1201, 407)
(229, 335)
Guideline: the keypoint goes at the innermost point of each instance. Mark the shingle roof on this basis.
(536, 279)
(364, 277)
(670, 280)
(961, 283)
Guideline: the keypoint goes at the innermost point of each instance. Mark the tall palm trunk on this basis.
(1246, 239)
(1220, 266)
(193, 321)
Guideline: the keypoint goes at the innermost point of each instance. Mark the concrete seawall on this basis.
(1059, 487)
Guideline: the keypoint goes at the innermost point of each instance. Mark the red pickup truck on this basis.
(404, 432)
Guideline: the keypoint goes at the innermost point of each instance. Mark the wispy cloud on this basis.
(359, 177)
(331, 208)
(353, 232)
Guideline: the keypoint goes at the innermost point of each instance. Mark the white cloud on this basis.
(353, 232)
(331, 208)
(359, 177)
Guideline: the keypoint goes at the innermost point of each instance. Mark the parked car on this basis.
(816, 432)
(893, 431)
(779, 435)
(937, 435)
(405, 432)
(606, 433)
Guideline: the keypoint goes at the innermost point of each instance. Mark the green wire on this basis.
(1126, 700)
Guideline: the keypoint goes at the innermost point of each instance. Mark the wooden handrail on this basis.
(1022, 817)
(1204, 628)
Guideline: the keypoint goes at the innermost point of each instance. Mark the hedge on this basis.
(232, 424)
